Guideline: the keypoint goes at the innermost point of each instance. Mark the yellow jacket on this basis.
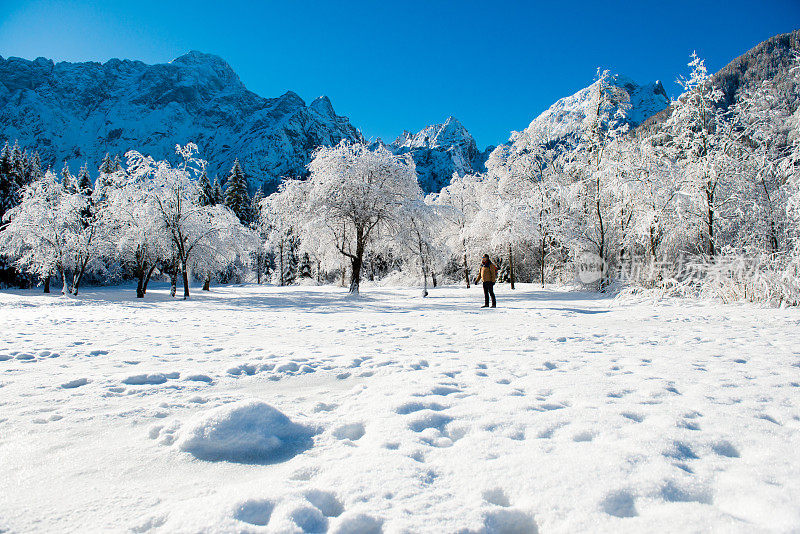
(487, 273)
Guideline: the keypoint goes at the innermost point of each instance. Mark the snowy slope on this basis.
(563, 119)
(80, 111)
(266, 409)
(439, 151)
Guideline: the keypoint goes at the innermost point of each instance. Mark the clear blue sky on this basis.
(391, 66)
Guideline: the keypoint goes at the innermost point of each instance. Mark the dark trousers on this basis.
(488, 290)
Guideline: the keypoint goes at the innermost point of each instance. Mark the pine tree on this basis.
(255, 208)
(85, 181)
(305, 266)
(8, 186)
(67, 180)
(117, 164)
(35, 169)
(219, 198)
(292, 264)
(105, 178)
(236, 197)
(18, 165)
(107, 166)
(205, 190)
(503, 274)
(5, 160)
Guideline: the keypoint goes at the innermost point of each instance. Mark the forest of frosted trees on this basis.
(703, 203)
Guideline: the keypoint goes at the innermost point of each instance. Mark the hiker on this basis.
(487, 273)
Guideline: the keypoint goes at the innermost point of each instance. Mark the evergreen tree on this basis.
(67, 180)
(107, 166)
(503, 274)
(105, 178)
(236, 197)
(5, 160)
(117, 164)
(18, 165)
(8, 186)
(255, 208)
(35, 169)
(85, 181)
(292, 265)
(205, 190)
(305, 266)
(219, 198)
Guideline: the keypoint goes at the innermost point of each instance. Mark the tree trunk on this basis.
(433, 279)
(510, 266)
(466, 270)
(280, 262)
(147, 279)
(355, 278)
(424, 279)
(710, 220)
(77, 277)
(140, 284)
(185, 274)
(711, 249)
(544, 255)
(173, 280)
(64, 286)
(207, 283)
(47, 283)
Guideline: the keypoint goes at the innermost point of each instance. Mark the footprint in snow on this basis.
(351, 431)
(638, 418)
(619, 504)
(584, 436)
(411, 407)
(725, 448)
(78, 382)
(497, 497)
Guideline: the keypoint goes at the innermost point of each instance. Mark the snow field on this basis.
(300, 410)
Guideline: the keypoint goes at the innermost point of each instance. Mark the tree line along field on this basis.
(703, 202)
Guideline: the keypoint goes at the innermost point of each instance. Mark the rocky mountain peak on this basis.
(77, 112)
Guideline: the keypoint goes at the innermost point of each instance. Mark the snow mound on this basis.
(245, 432)
(356, 523)
(509, 521)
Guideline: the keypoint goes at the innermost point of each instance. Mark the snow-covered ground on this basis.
(297, 409)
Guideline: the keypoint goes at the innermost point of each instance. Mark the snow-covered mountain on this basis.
(562, 121)
(79, 111)
(565, 116)
(439, 151)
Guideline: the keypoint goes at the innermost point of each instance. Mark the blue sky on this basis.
(391, 66)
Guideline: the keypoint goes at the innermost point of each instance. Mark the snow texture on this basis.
(559, 411)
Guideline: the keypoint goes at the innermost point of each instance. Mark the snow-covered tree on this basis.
(693, 126)
(33, 235)
(53, 229)
(415, 239)
(355, 196)
(458, 206)
(136, 225)
(191, 228)
(236, 197)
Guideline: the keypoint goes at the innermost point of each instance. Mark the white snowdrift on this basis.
(244, 432)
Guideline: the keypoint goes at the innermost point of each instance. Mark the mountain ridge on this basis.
(77, 112)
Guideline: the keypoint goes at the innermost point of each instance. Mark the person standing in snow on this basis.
(487, 273)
